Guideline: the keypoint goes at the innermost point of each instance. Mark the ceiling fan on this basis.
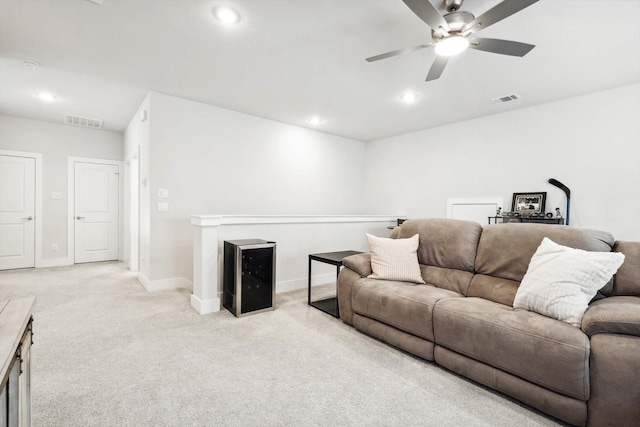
(450, 33)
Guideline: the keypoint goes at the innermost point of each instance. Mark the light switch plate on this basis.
(163, 207)
(163, 193)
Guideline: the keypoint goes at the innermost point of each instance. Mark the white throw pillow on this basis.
(395, 259)
(560, 281)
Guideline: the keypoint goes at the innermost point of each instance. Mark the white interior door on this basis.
(17, 212)
(96, 212)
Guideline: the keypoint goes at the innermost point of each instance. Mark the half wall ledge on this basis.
(296, 237)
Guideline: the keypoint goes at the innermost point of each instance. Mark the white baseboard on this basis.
(164, 284)
(303, 283)
(54, 262)
(214, 305)
(206, 306)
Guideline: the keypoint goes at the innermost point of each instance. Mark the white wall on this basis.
(57, 142)
(590, 143)
(217, 161)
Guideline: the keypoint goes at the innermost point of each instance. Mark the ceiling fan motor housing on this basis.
(452, 5)
(456, 21)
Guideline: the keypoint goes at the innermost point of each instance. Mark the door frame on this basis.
(132, 215)
(71, 174)
(38, 201)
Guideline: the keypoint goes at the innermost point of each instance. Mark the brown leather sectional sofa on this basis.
(463, 318)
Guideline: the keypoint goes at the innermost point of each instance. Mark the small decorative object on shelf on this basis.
(510, 214)
(499, 212)
(558, 214)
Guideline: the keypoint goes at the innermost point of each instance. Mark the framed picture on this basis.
(529, 203)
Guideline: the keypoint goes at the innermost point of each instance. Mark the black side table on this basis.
(328, 305)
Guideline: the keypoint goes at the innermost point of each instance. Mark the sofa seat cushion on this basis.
(405, 306)
(541, 350)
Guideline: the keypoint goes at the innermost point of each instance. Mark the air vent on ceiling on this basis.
(83, 122)
(508, 98)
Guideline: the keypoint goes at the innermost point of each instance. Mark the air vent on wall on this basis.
(508, 98)
(83, 122)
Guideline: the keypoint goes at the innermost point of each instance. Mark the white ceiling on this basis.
(288, 60)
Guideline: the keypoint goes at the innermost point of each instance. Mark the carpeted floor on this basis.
(108, 353)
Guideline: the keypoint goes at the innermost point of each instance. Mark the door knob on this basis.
(29, 218)
(79, 217)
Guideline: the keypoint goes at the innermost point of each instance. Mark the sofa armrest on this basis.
(360, 263)
(613, 315)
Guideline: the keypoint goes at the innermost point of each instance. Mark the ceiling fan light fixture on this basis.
(452, 45)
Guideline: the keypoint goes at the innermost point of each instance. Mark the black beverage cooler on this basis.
(249, 276)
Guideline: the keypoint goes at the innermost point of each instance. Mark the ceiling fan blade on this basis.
(437, 68)
(503, 47)
(397, 52)
(428, 13)
(497, 13)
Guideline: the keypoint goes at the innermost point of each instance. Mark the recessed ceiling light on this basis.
(47, 97)
(226, 15)
(314, 121)
(409, 97)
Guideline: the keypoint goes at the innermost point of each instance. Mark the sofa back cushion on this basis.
(627, 280)
(447, 243)
(447, 278)
(505, 250)
(447, 250)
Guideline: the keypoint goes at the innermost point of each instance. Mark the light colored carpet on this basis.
(108, 353)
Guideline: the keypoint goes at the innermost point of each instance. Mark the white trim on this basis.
(214, 305)
(38, 202)
(303, 282)
(71, 202)
(206, 220)
(217, 220)
(54, 262)
(134, 212)
(205, 307)
(164, 284)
